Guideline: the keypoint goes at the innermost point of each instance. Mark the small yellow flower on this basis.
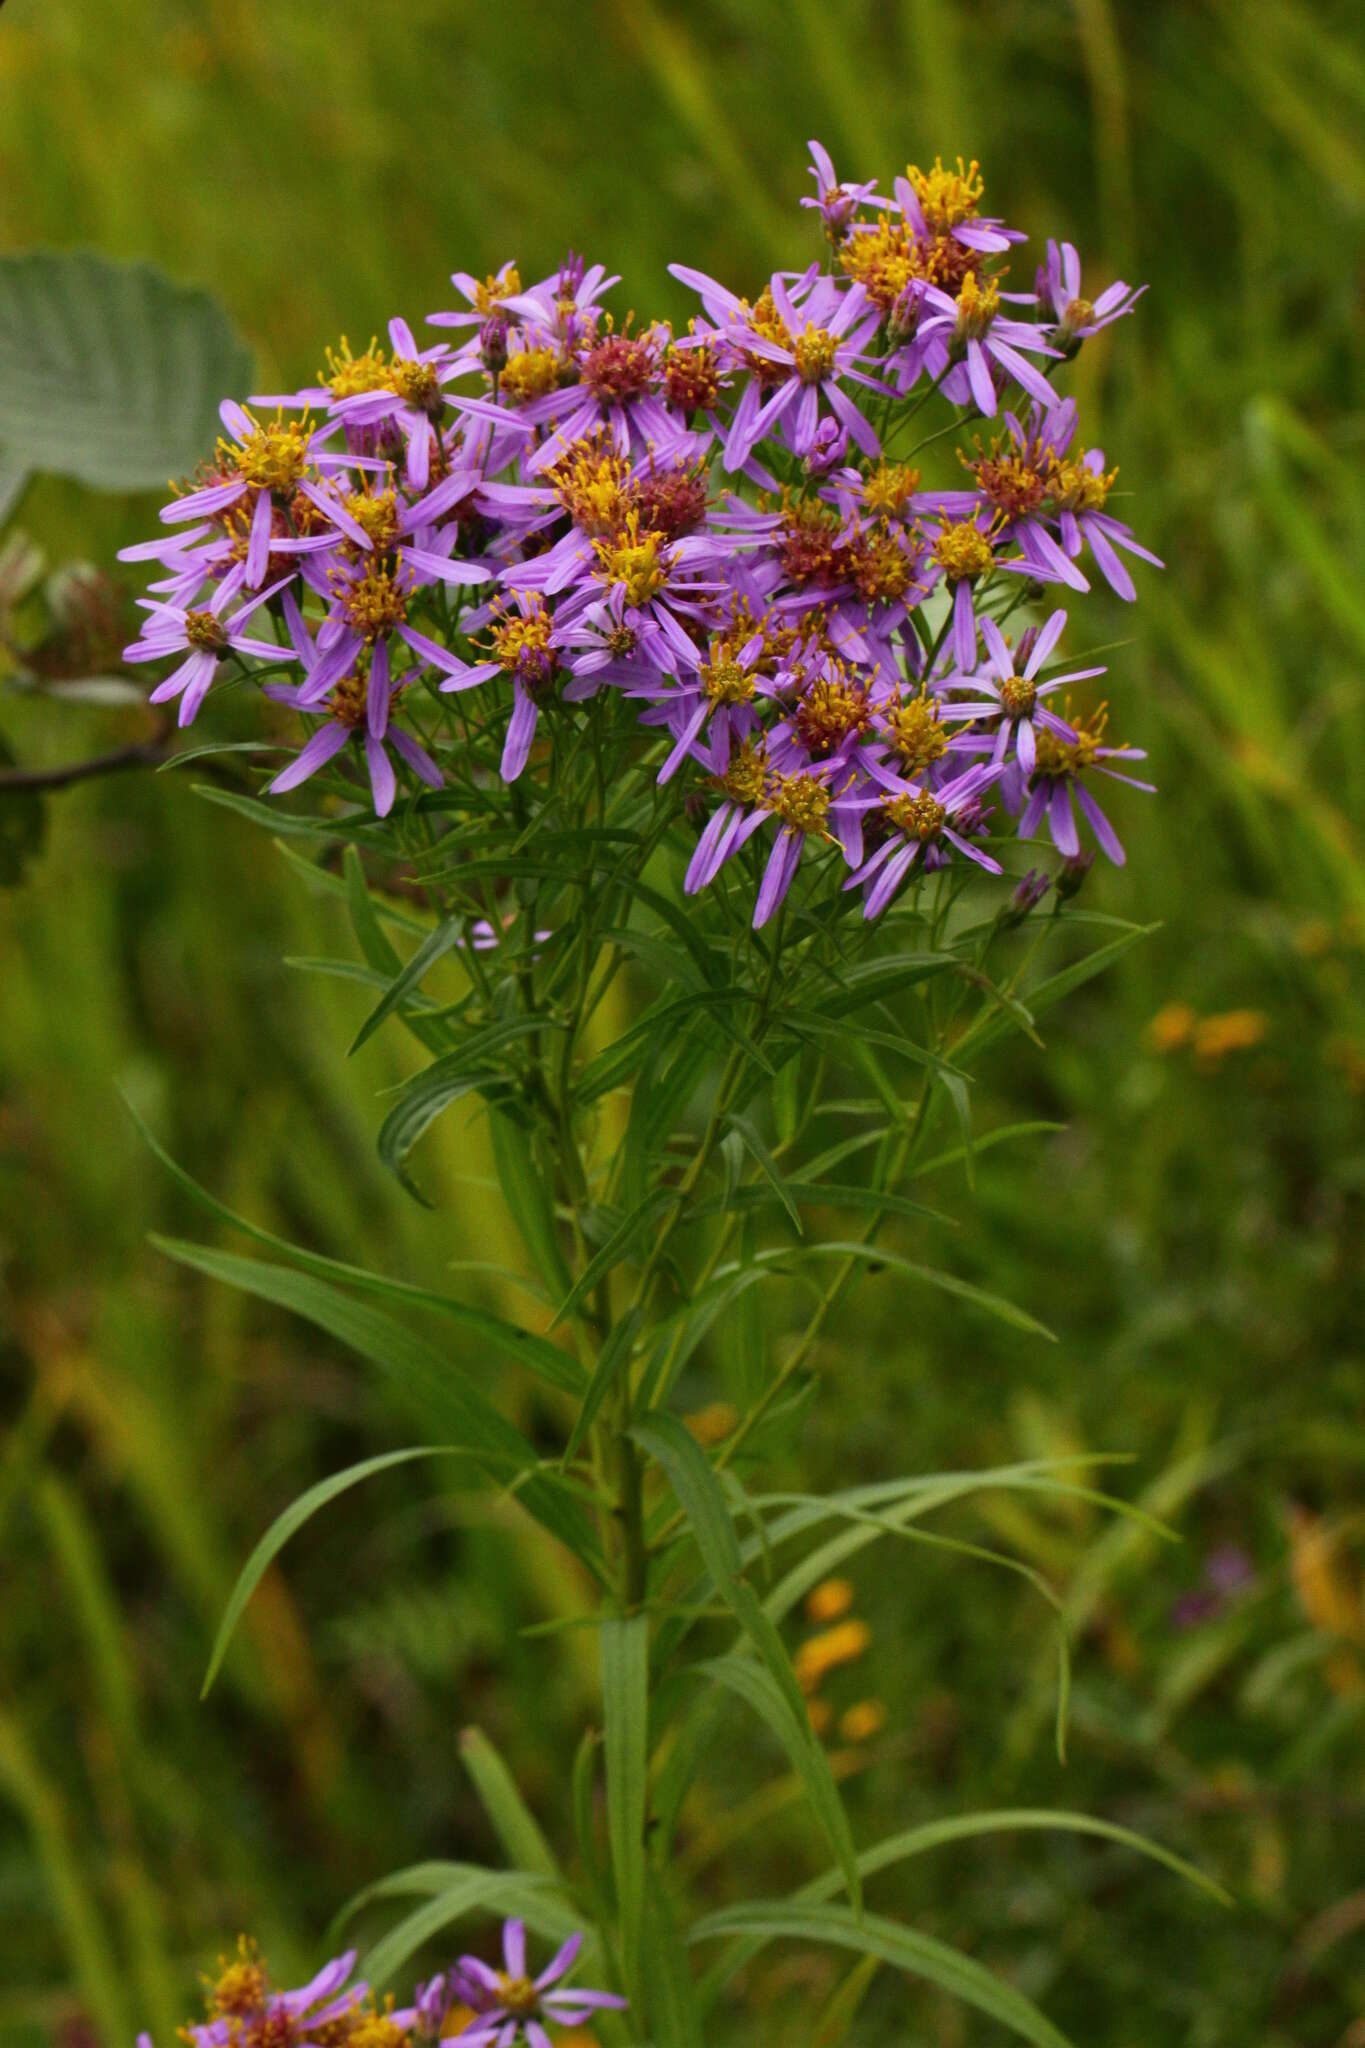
(827, 1601)
(863, 1720)
(1230, 1031)
(1171, 1027)
(822, 1654)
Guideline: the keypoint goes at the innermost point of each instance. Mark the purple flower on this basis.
(1059, 285)
(246, 2012)
(1055, 790)
(1014, 696)
(358, 709)
(921, 819)
(510, 2006)
(835, 203)
(203, 636)
(961, 341)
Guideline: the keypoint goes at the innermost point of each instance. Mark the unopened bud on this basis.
(1028, 893)
(493, 343)
(828, 451)
(1073, 873)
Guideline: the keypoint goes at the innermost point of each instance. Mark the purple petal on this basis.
(382, 779)
(329, 739)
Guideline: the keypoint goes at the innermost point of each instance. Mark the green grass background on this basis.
(1195, 1234)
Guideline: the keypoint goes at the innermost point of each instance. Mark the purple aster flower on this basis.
(836, 204)
(1059, 285)
(245, 2011)
(1014, 695)
(358, 709)
(1055, 790)
(960, 340)
(203, 636)
(941, 204)
(754, 792)
(510, 2006)
(817, 337)
(920, 819)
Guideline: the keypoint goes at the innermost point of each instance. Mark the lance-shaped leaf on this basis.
(428, 1384)
(625, 1713)
(288, 1524)
(904, 1947)
(772, 1688)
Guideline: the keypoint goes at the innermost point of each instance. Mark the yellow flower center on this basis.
(888, 488)
(799, 801)
(881, 569)
(241, 1987)
(274, 454)
(635, 560)
(529, 374)
(743, 781)
(377, 514)
(522, 643)
(962, 551)
(416, 383)
(205, 632)
(518, 1994)
(947, 198)
(347, 699)
(1074, 487)
(919, 817)
(589, 481)
(375, 603)
(493, 290)
(882, 260)
(1018, 695)
(814, 353)
(1065, 759)
(1079, 313)
(725, 682)
(347, 375)
(831, 709)
(977, 306)
(916, 733)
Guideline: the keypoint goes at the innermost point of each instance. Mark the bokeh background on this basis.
(1194, 1234)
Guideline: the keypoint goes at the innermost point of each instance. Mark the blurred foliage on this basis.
(1194, 1232)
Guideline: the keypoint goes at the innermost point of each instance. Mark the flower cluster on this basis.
(481, 2006)
(724, 532)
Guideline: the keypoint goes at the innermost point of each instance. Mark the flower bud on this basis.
(1028, 893)
(1073, 874)
(828, 451)
(493, 343)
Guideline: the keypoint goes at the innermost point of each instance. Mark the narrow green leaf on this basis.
(780, 1699)
(529, 1896)
(526, 1195)
(432, 949)
(288, 1524)
(948, 1283)
(508, 1340)
(513, 1822)
(613, 1251)
(613, 1358)
(769, 1166)
(903, 1947)
(429, 1385)
(674, 2016)
(625, 1709)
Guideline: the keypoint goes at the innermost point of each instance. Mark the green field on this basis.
(1195, 1232)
